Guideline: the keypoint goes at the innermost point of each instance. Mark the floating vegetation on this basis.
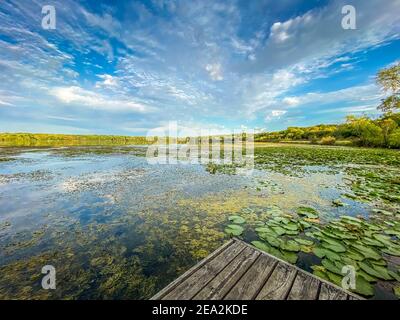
(126, 229)
(234, 230)
(237, 219)
(345, 241)
(308, 212)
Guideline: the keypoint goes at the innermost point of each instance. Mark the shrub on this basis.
(394, 139)
(328, 141)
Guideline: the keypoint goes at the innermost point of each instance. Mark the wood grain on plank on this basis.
(305, 287)
(217, 288)
(192, 285)
(189, 272)
(253, 280)
(329, 292)
(279, 283)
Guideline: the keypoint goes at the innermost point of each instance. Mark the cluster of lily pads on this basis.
(367, 245)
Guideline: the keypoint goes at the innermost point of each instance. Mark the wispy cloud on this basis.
(220, 63)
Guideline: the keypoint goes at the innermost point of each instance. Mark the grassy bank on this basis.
(60, 140)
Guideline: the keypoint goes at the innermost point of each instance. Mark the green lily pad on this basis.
(392, 250)
(375, 271)
(237, 219)
(371, 226)
(305, 224)
(354, 255)
(366, 251)
(264, 230)
(351, 219)
(261, 245)
(306, 249)
(336, 248)
(366, 276)
(372, 242)
(321, 274)
(383, 239)
(394, 275)
(234, 230)
(396, 291)
(335, 278)
(310, 213)
(290, 245)
(323, 252)
(282, 220)
(329, 265)
(289, 256)
(363, 287)
(392, 232)
(278, 230)
(291, 226)
(304, 241)
(273, 241)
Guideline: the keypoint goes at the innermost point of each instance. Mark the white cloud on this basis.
(274, 114)
(314, 39)
(215, 71)
(108, 81)
(78, 96)
(368, 92)
(5, 103)
(291, 101)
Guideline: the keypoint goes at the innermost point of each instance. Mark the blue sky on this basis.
(125, 67)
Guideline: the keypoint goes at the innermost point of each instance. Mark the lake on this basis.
(116, 227)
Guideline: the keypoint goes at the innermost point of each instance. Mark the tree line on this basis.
(360, 131)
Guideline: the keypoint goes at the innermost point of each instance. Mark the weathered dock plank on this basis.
(279, 283)
(250, 284)
(304, 287)
(331, 293)
(239, 271)
(225, 280)
(192, 285)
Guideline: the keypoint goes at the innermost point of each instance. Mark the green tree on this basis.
(387, 126)
(367, 132)
(389, 79)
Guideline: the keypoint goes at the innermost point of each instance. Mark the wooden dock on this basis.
(239, 271)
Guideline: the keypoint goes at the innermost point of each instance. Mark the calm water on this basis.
(115, 226)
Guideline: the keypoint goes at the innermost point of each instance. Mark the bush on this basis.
(394, 139)
(328, 141)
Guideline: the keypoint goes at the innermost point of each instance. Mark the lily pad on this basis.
(261, 245)
(329, 265)
(291, 226)
(396, 291)
(273, 241)
(278, 230)
(354, 255)
(237, 219)
(234, 230)
(392, 250)
(375, 271)
(363, 287)
(264, 230)
(394, 275)
(366, 251)
(308, 212)
(304, 241)
(290, 245)
(372, 242)
(323, 252)
(289, 256)
(366, 276)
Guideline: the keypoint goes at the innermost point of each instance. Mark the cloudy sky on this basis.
(124, 67)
